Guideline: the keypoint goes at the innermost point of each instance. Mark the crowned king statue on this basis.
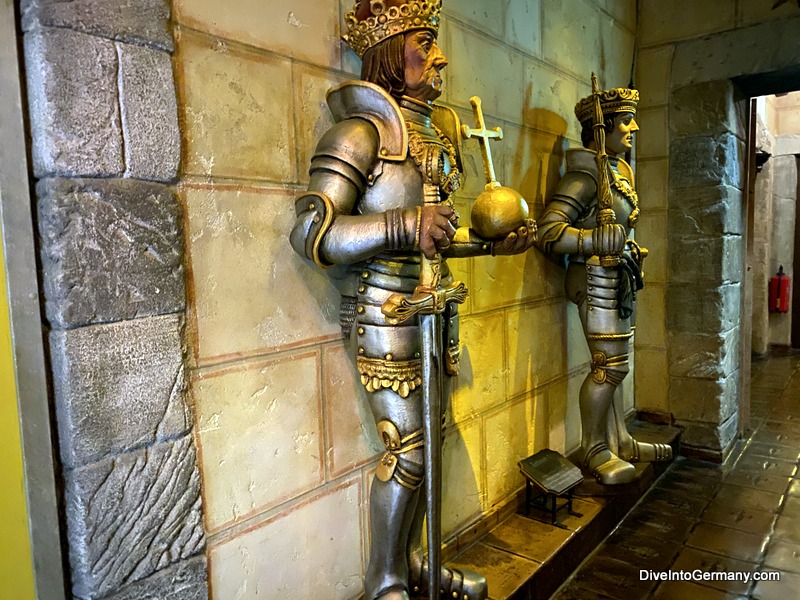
(379, 205)
(590, 218)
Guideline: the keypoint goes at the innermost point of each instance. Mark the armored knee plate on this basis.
(611, 369)
(390, 466)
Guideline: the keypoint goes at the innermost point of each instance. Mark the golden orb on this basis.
(497, 212)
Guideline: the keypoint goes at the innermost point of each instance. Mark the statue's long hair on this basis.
(587, 131)
(384, 65)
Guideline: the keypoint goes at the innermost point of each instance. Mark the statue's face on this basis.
(620, 139)
(424, 63)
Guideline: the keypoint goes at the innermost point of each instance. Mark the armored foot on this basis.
(608, 468)
(455, 583)
(645, 452)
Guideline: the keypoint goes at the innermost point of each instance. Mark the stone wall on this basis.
(285, 438)
(105, 149)
(689, 54)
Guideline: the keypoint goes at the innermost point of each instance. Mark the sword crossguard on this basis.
(483, 136)
(425, 301)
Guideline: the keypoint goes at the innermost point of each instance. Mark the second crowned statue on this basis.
(379, 200)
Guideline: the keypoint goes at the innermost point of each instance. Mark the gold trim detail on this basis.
(384, 22)
(611, 101)
(609, 336)
(402, 377)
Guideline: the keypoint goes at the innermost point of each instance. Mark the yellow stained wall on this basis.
(16, 564)
(286, 441)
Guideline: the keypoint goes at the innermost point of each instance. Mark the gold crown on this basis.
(385, 22)
(611, 101)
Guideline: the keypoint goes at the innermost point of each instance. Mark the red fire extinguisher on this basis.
(779, 292)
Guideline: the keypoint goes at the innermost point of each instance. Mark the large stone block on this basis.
(298, 539)
(784, 212)
(651, 315)
(571, 37)
(706, 211)
(703, 308)
(186, 580)
(707, 260)
(237, 110)
(132, 515)
(118, 386)
(651, 380)
(535, 346)
(111, 250)
(784, 182)
(134, 21)
(653, 70)
(524, 26)
(668, 21)
(462, 476)
(787, 144)
(762, 48)
(704, 356)
(149, 113)
(74, 105)
(706, 109)
(652, 178)
(714, 437)
(698, 161)
(653, 141)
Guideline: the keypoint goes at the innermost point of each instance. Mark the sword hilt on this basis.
(399, 308)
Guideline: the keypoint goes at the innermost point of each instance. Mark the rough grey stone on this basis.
(74, 107)
(706, 161)
(111, 250)
(118, 386)
(705, 356)
(695, 307)
(715, 437)
(137, 21)
(765, 141)
(783, 232)
(708, 210)
(706, 400)
(706, 109)
(761, 48)
(149, 114)
(132, 515)
(707, 260)
(186, 580)
(787, 144)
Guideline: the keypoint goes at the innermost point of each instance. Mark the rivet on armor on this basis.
(365, 275)
(360, 331)
(416, 354)
(591, 287)
(485, 247)
(590, 308)
(455, 594)
(416, 589)
(361, 350)
(384, 152)
(316, 219)
(589, 277)
(312, 206)
(360, 310)
(362, 289)
(370, 177)
(389, 357)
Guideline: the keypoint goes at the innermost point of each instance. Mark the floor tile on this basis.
(783, 555)
(641, 551)
(780, 439)
(794, 488)
(646, 521)
(575, 592)
(791, 507)
(766, 466)
(743, 519)
(675, 503)
(504, 572)
(768, 451)
(740, 497)
(787, 528)
(753, 479)
(528, 538)
(685, 590)
(692, 484)
(614, 578)
(691, 559)
(785, 589)
(728, 542)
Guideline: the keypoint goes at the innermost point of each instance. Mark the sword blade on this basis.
(432, 374)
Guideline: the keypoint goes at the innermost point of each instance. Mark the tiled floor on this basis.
(743, 516)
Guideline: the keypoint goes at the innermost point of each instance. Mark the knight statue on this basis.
(590, 219)
(379, 206)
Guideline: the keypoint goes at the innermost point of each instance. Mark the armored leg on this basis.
(395, 493)
(630, 448)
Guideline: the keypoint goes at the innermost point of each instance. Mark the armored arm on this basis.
(572, 202)
(327, 231)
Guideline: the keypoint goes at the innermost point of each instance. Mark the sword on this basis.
(429, 301)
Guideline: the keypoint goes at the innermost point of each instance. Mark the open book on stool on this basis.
(550, 477)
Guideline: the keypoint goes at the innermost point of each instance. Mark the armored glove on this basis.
(606, 239)
(436, 226)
